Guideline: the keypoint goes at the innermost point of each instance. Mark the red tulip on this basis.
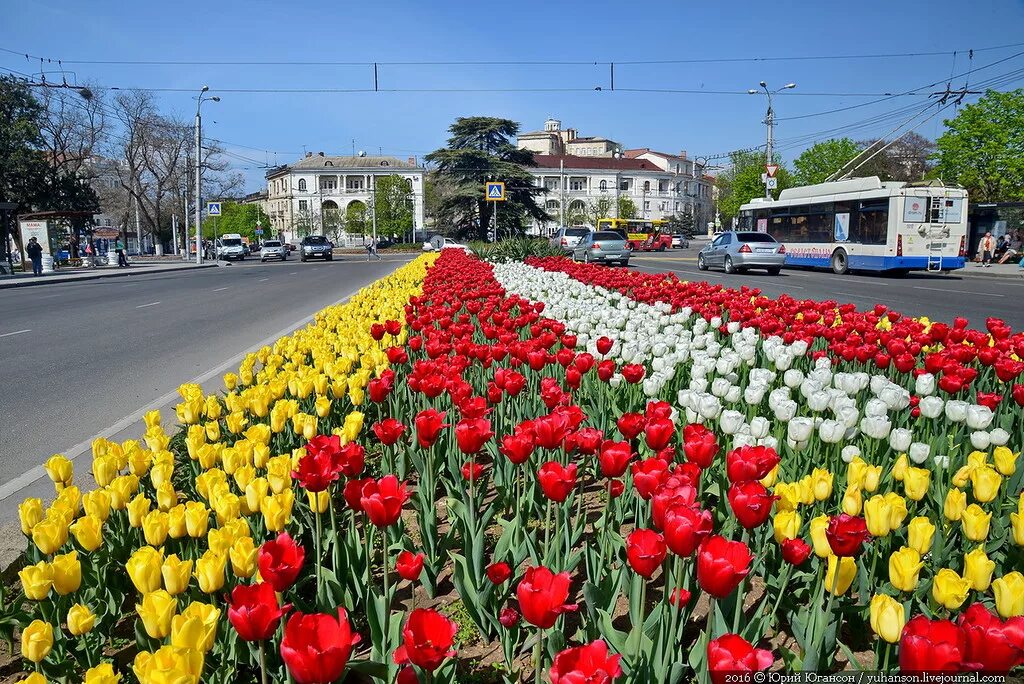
(382, 500)
(658, 409)
(254, 611)
(409, 565)
(730, 654)
(280, 561)
(518, 447)
(679, 597)
(350, 459)
(588, 664)
(427, 639)
(614, 458)
(699, 444)
(795, 551)
(509, 617)
(616, 488)
(846, 534)
(377, 331)
(392, 327)
(397, 356)
(317, 470)
(997, 646)
(630, 424)
(556, 480)
(316, 647)
(472, 433)
(542, 595)
(659, 433)
(932, 646)
(380, 388)
(1017, 392)
(498, 572)
(428, 424)
(388, 431)
(751, 503)
(604, 345)
(721, 565)
(645, 550)
(550, 430)
(605, 370)
(472, 471)
(328, 445)
(686, 527)
(647, 475)
(750, 463)
(633, 373)
(585, 440)
(353, 493)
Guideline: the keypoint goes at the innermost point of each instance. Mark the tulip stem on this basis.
(887, 649)
(671, 584)
(739, 592)
(782, 589)
(263, 664)
(604, 529)
(319, 554)
(547, 532)
(829, 607)
(537, 657)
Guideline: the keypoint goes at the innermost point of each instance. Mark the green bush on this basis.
(516, 249)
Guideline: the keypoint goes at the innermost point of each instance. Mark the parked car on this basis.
(273, 249)
(604, 247)
(737, 251)
(316, 247)
(567, 238)
(231, 246)
(680, 242)
(439, 242)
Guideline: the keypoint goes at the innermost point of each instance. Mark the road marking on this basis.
(262, 279)
(756, 283)
(219, 289)
(143, 306)
(293, 273)
(50, 296)
(943, 289)
(16, 332)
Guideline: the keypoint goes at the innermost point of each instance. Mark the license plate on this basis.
(765, 250)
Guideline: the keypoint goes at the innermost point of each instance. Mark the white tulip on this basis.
(796, 446)
(924, 385)
(981, 440)
(720, 386)
(831, 431)
(979, 417)
(875, 407)
(878, 383)
(709, 406)
(615, 380)
(895, 397)
(733, 326)
(800, 429)
(759, 427)
(699, 384)
(786, 410)
(770, 442)
(900, 439)
(876, 427)
(741, 440)
(919, 452)
(941, 461)
(931, 407)
(849, 453)
(848, 416)
(818, 401)
(793, 377)
(730, 421)
(692, 416)
(956, 410)
(784, 360)
(999, 437)
(733, 395)
(716, 321)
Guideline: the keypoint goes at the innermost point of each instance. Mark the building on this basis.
(553, 140)
(697, 185)
(577, 186)
(316, 193)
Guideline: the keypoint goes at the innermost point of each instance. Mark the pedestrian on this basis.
(34, 250)
(371, 250)
(986, 246)
(1013, 249)
(122, 257)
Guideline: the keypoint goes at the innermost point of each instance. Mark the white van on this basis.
(230, 246)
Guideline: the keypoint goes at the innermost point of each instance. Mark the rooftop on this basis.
(554, 161)
(317, 161)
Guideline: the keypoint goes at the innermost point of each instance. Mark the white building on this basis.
(309, 196)
(556, 140)
(659, 185)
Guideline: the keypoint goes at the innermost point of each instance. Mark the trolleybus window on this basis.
(871, 224)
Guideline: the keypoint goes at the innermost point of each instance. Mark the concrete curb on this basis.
(31, 282)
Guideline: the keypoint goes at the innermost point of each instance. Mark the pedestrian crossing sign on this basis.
(213, 208)
(496, 192)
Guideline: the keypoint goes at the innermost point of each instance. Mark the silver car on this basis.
(737, 251)
(602, 247)
(273, 249)
(568, 238)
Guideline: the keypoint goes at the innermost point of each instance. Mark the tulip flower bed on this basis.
(567, 472)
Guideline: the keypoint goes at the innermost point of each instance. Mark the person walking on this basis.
(122, 257)
(987, 246)
(371, 250)
(34, 250)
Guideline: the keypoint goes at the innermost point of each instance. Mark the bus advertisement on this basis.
(642, 235)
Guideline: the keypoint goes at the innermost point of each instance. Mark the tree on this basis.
(823, 159)
(237, 218)
(480, 149)
(983, 148)
(23, 170)
(626, 208)
(599, 208)
(357, 219)
(741, 182)
(392, 203)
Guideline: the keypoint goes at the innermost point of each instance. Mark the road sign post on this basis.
(494, 191)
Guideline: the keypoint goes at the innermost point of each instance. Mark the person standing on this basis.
(34, 250)
(122, 258)
(987, 246)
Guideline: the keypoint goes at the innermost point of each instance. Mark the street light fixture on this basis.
(769, 121)
(199, 172)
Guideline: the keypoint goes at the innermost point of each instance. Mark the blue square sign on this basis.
(496, 192)
(213, 208)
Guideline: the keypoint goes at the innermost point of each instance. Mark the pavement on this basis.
(76, 275)
(78, 356)
(974, 292)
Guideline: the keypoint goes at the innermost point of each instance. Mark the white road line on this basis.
(262, 279)
(293, 273)
(220, 289)
(16, 332)
(143, 306)
(943, 289)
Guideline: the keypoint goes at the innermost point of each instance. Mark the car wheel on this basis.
(774, 270)
(840, 262)
(661, 248)
(624, 263)
(701, 264)
(329, 258)
(302, 258)
(729, 268)
(284, 258)
(263, 261)
(586, 257)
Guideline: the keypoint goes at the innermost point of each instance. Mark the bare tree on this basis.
(908, 159)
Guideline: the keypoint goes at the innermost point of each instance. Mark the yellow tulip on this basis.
(956, 502)
(904, 568)
(88, 531)
(985, 483)
(34, 678)
(887, 617)
(805, 490)
(71, 497)
(155, 527)
(899, 469)
(897, 509)
(50, 535)
(353, 425)
(170, 665)
(137, 510)
(279, 473)
(102, 674)
(771, 478)
(318, 501)
(176, 524)
(975, 522)
(236, 422)
(197, 519)
(1009, 591)
(872, 476)
(978, 569)
(36, 641)
(121, 491)
(104, 469)
(176, 573)
(227, 506)
(166, 497)
(852, 501)
(277, 510)
(160, 474)
(786, 525)
(36, 580)
(915, 483)
(156, 610)
(920, 533)
(80, 619)
(60, 470)
(97, 502)
(144, 569)
(139, 463)
(1005, 460)
(209, 570)
(214, 409)
(789, 496)
(67, 573)
(196, 627)
(847, 570)
(322, 407)
(855, 471)
(877, 515)
(243, 554)
(219, 540)
(818, 538)
(30, 512)
(962, 476)
(821, 483)
(950, 589)
(1017, 523)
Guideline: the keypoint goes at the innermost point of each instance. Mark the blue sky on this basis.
(281, 125)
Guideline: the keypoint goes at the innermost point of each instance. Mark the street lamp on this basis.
(769, 121)
(199, 172)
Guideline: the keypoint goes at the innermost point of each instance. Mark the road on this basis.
(940, 297)
(78, 357)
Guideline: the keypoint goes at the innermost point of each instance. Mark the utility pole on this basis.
(769, 121)
(174, 233)
(199, 175)
(561, 197)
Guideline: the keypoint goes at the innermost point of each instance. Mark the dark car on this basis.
(316, 247)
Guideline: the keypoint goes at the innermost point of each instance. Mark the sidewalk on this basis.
(1008, 270)
(81, 274)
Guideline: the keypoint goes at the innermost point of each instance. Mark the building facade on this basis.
(316, 194)
(556, 140)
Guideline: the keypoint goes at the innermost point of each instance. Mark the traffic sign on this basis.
(259, 231)
(213, 208)
(772, 169)
(771, 183)
(496, 192)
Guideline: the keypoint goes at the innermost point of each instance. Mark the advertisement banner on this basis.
(762, 225)
(842, 227)
(915, 210)
(36, 229)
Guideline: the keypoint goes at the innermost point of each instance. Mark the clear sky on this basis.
(276, 127)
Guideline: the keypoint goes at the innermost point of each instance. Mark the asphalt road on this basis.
(940, 297)
(77, 357)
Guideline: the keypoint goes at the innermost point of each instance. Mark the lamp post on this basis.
(769, 121)
(199, 172)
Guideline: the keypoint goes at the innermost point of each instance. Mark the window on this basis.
(303, 205)
(551, 183)
(578, 184)
(302, 185)
(647, 186)
(661, 207)
(662, 186)
(808, 223)
(647, 205)
(354, 183)
(604, 186)
(328, 183)
(328, 163)
(870, 226)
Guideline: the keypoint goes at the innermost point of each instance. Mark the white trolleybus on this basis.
(865, 224)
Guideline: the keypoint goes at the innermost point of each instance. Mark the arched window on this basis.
(647, 186)
(604, 186)
(328, 163)
(302, 185)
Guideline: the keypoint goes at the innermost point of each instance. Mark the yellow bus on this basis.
(641, 234)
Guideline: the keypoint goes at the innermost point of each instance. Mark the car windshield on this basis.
(232, 242)
(606, 235)
(272, 243)
(315, 240)
(577, 232)
(755, 237)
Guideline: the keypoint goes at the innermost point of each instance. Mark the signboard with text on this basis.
(37, 230)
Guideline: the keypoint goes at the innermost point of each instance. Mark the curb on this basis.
(998, 276)
(26, 282)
